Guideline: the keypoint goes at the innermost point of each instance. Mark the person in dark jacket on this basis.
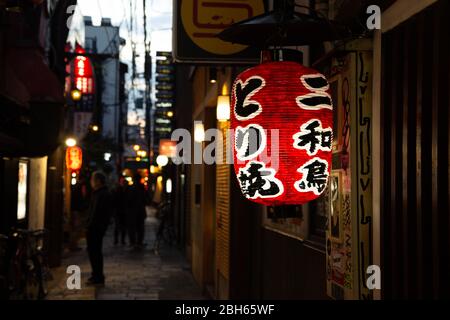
(120, 224)
(135, 211)
(100, 212)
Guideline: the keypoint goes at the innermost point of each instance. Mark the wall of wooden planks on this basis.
(415, 222)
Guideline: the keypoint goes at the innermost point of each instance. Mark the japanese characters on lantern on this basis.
(84, 74)
(74, 158)
(282, 121)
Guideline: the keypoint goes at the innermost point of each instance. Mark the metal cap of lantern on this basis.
(285, 27)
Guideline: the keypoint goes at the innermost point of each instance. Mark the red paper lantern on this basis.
(84, 74)
(282, 116)
(74, 158)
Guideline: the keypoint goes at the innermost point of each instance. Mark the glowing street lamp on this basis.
(162, 160)
(76, 95)
(136, 147)
(169, 186)
(71, 142)
(223, 108)
(142, 153)
(154, 169)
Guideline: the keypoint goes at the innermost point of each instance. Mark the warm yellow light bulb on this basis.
(76, 95)
(71, 142)
(162, 160)
(223, 108)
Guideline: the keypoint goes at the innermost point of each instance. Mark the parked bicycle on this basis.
(3, 267)
(166, 228)
(28, 271)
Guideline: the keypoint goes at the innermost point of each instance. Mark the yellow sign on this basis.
(204, 19)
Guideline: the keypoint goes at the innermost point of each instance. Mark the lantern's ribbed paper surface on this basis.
(74, 158)
(282, 117)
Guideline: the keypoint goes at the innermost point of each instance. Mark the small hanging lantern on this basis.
(74, 158)
(83, 73)
(282, 117)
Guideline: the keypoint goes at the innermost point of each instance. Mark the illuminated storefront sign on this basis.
(167, 148)
(197, 22)
(83, 74)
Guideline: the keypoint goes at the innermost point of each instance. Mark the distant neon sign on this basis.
(84, 75)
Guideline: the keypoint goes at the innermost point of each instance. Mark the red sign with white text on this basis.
(74, 158)
(84, 75)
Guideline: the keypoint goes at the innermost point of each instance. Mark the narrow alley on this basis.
(130, 274)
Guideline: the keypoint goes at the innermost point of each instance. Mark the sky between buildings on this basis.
(159, 14)
(159, 28)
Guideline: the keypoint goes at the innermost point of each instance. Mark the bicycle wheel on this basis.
(16, 281)
(41, 276)
(33, 281)
(46, 276)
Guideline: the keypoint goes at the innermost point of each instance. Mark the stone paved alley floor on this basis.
(130, 274)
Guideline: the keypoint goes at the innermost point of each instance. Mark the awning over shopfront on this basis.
(30, 68)
(33, 99)
(12, 88)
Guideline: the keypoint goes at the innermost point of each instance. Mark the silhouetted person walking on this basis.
(79, 205)
(120, 224)
(135, 210)
(100, 211)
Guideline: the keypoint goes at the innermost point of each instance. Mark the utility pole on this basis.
(133, 45)
(147, 77)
